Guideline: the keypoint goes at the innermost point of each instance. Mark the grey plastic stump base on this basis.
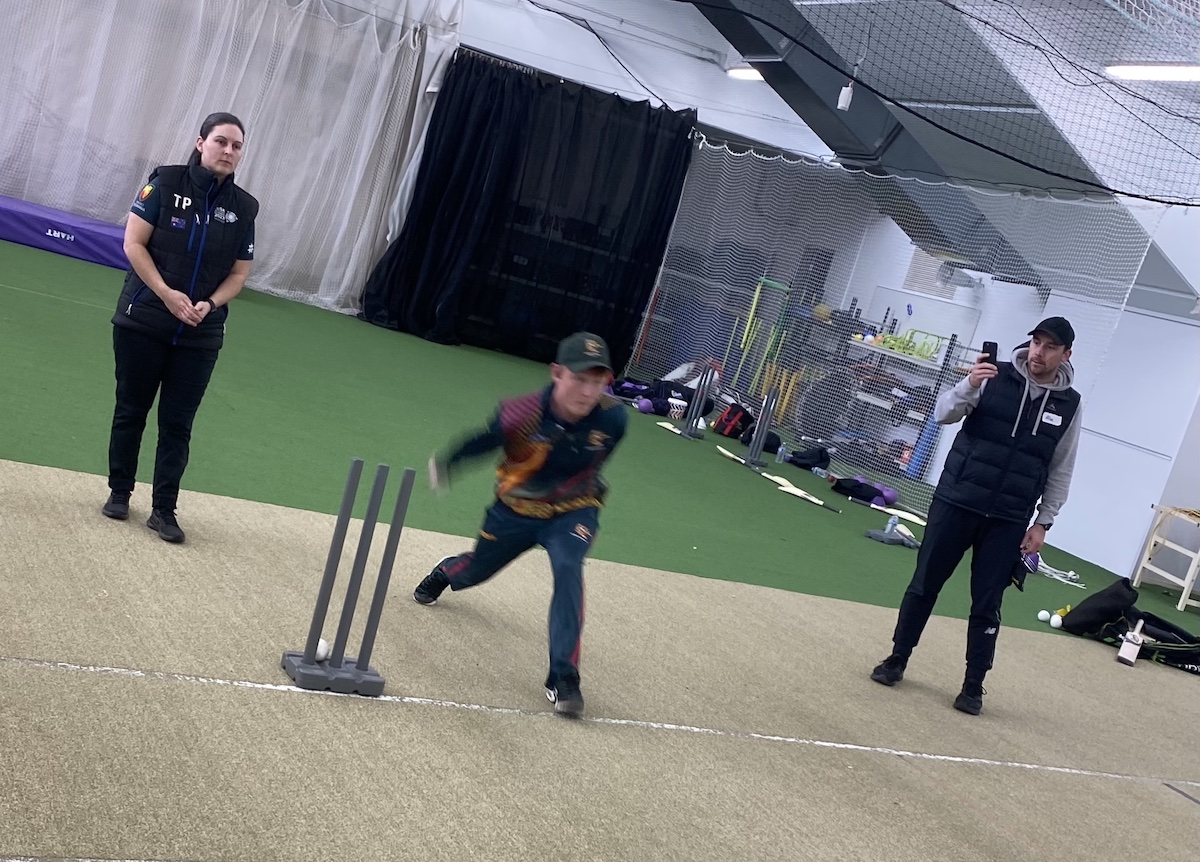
(347, 679)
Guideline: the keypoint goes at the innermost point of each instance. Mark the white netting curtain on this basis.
(101, 91)
(860, 298)
(1175, 21)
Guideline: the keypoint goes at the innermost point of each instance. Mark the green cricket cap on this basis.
(584, 351)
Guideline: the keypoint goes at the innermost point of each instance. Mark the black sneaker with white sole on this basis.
(117, 506)
(433, 585)
(163, 522)
(564, 693)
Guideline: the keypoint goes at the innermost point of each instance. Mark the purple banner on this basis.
(62, 233)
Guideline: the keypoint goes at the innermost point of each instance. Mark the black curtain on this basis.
(541, 208)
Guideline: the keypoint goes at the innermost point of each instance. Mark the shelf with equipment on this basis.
(872, 393)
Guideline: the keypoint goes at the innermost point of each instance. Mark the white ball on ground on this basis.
(322, 649)
(1044, 616)
(1056, 621)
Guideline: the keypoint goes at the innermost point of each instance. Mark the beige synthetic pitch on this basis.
(143, 714)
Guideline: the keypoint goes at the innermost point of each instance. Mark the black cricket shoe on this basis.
(891, 670)
(117, 506)
(970, 699)
(564, 693)
(163, 522)
(431, 587)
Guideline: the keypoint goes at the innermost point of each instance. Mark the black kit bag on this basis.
(818, 457)
(771, 442)
(1107, 615)
(733, 421)
(856, 490)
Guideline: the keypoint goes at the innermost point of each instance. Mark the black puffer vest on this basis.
(202, 226)
(998, 473)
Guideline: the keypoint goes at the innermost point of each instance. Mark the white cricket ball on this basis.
(322, 649)
(1044, 616)
(1056, 622)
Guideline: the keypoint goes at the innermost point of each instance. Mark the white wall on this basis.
(669, 46)
(1174, 230)
(1183, 486)
(1182, 490)
(883, 259)
(1142, 404)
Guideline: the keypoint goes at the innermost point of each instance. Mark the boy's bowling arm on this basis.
(469, 447)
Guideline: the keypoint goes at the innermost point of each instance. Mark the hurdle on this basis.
(338, 672)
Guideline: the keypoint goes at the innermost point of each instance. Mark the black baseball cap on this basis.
(1058, 328)
(584, 351)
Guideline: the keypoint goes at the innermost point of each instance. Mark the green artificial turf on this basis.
(299, 391)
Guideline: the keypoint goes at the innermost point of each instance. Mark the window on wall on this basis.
(928, 274)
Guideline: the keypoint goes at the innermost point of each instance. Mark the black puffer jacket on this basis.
(1000, 460)
(202, 227)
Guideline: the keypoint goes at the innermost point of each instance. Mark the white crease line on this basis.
(52, 296)
(618, 722)
(72, 859)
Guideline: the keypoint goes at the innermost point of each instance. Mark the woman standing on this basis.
(189, 240)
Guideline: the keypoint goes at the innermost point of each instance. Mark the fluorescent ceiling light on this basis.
(745, 73)
(1155, 72)
(948, 257)
(957, 106)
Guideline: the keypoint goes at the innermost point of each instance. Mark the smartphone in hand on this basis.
(991, 349)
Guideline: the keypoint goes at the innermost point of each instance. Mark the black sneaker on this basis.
(970, 699)
(431, 587)
(163, 522)
(117, 506)
(566, 696)
(891, 670)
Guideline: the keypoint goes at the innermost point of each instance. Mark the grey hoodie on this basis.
(956, 403)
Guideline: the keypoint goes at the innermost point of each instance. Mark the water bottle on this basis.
(891, 524)
(817, 471)
(781, 454)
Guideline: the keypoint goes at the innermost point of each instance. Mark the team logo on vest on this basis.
(224, 215)
(147, 190)
(596, 439)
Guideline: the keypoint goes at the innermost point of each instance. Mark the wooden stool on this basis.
(1158, 540)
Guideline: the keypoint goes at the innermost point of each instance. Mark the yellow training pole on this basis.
(750, 317)
(791, 388)
(729, 346)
